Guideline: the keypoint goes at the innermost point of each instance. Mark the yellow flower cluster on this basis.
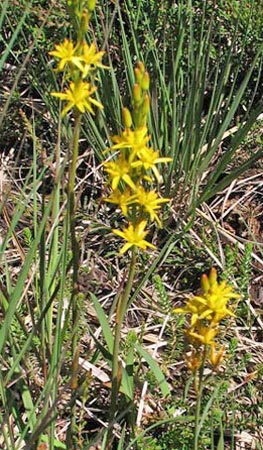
(207, 310)
(79, 61)
(134, 172)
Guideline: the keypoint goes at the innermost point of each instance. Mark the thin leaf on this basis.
(162, 383)
(104, 323)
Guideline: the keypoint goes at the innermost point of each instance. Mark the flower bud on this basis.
(205, 285)
(141, 67)
(137, 93)
(145, 83)
(146, 105)
(216, 357)
(213, 277)
(126, 117)
(84, 23)
(91, 5)
(138, 75)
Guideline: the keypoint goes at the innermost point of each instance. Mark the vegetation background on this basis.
(205, 65)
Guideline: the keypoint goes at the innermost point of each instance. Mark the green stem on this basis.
(71, 212)
(199, 401)
(75, 264)
(197, 418)
(116, 367)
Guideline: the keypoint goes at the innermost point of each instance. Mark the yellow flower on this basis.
(214, 307)
(123, 199)
(212, 303)
(66, 53)
(136, 140)
(119, 170)
(78, 96)
(216, 357)
(148, 158)
(134, 235)
(204, 335)
(151, 202)
(90, 59)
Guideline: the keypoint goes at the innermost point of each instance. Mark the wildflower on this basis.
(119, 170)
(214, 306)
(211, 304)
(123, 199)
(203, 334)
(151, 202)
(216, 357)
(134, 235)
(135, 140)
(206, 308)
(66, 53)
(127, 174)
(216, 297)
(90, 59)
(78, 96)
(148, 158)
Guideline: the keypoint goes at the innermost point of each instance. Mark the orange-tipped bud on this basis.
(145, 83)
(213, 277)
(137, 93)
(138, 75)
(205, 285)
(141, 67)
(84, 23)
(126, 117)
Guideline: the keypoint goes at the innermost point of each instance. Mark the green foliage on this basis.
(245, 269)
(164, 301)
(148, 442)
(175, 437)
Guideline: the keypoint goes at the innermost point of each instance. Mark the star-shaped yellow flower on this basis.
(212, 303)
(90, 59)
(151, 202)
(134, 235)
(66, 53)
(78, 95)
(216, 357)
(148, 158)
(119, 170)
(204, 335)
(135, 140)
(123, 199)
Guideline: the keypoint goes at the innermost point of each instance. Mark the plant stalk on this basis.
(199, 401)
(116, 365)
(75, 267)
